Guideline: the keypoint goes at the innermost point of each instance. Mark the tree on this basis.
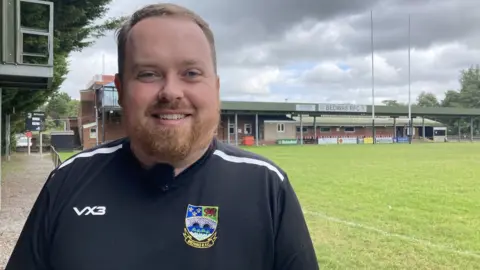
(452, 99)
(470, 87)
(426, 99)
(391, 102)
(74, 30)
(58, 106)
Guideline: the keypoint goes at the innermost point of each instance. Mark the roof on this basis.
(352, 109)
(90, 125)
(317, 109)
(358, 121)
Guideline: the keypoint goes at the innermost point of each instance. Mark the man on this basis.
(169, 196)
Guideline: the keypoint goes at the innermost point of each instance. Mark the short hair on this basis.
(160, 10)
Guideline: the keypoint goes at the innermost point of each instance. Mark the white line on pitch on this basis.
(388, 234)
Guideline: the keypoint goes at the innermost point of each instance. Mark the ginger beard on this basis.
(173, 144)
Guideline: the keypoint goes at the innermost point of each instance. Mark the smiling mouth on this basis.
(170, 116)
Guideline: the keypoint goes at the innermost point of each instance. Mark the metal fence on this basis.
(55, 157)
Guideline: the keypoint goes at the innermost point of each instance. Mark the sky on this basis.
(318, 50)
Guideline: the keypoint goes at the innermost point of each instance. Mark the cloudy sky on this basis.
(319, 50)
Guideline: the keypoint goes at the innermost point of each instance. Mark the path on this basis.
(23, 177)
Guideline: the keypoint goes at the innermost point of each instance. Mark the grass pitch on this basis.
(388, 206)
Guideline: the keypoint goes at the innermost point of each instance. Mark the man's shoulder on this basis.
(240, 157)
(89, 156)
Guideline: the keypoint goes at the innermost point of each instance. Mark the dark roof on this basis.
(313, 109)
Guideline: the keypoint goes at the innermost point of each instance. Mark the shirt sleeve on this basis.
(32, 247)
(293, 244)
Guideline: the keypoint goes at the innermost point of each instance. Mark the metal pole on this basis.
(103, 124)
(301, 129)
(0, 151)
(41, 142)
(373, 79)
(7, 137)
(228, 129)
(236, 129)
(423, 128)
(410, 124)
(459, 131)
(256, 129)
(471, 129)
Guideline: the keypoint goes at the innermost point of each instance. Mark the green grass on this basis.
(388, 206)
(65, 155)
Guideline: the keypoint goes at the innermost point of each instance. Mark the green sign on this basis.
(287, 141)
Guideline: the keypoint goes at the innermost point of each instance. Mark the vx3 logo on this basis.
(94, 210)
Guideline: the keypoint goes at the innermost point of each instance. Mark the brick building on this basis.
(100, 120)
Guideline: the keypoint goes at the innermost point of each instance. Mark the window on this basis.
(305, 129)
(281, 127)
(93, 133)
(349, 129)
(247, 128)
(325, 129)
(439, 133)
(231, 129)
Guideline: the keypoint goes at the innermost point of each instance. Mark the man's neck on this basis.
(149, 161)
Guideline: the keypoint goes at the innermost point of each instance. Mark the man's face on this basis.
(169, 90)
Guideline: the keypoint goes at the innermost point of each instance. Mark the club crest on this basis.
(201, 226)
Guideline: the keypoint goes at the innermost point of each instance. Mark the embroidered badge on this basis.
(201, 226)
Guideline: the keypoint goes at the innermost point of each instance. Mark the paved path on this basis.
(23, 177)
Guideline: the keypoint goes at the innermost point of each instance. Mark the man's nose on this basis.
(173, 89)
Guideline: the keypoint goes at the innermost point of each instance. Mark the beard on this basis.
(173, 144)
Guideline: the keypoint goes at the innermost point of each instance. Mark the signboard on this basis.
(384, 140)
(287, 141)
(347, 140)
(28, 134)
(323, 107)
(368, 140)
(402, 139)
(34, 121)
(327, 141)
(305, 107)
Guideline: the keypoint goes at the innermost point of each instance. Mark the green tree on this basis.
(470, 87)
(73, 108)
(392, 102)
(426, 99)
(452, 99)
(58, 106)
(74, 30)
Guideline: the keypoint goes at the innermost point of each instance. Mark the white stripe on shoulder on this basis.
(257, 162)
(104, 150)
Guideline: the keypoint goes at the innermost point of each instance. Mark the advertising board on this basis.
(347, 140)
(327, 140)
(384, 140)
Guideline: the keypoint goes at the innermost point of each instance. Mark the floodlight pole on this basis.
(373, 80)
(410, 122)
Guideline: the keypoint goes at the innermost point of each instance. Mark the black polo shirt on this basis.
(231, 210)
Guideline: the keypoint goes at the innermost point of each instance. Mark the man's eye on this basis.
(192, 73)
(146, 74)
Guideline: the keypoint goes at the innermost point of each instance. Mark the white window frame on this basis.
(230, 127)
(329, 129)
(281, 127)
(305, 129)
(93, 135)
(249, 126)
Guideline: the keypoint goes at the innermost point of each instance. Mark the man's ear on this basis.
(120, 90)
